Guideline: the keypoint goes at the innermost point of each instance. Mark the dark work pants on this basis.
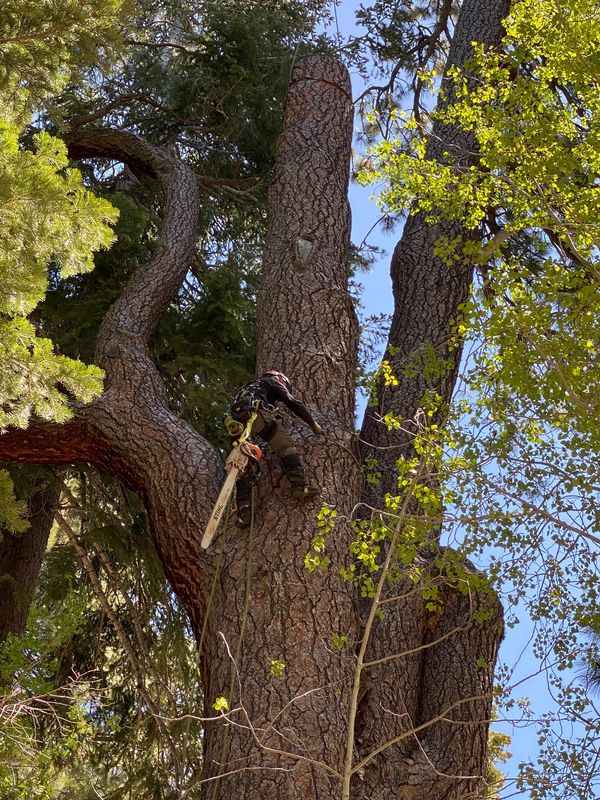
(268, 427)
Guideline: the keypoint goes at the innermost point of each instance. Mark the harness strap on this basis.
(248, 429)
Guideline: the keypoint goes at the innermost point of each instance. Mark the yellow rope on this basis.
(248, 429)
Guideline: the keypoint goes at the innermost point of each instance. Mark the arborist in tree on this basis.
(261, 396)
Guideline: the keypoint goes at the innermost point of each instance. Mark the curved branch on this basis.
(147, 295)
(140, 156)
(47, 443)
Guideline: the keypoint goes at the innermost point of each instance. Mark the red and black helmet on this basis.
(272, 373)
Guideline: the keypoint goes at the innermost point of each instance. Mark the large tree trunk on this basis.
(252, 604)
(427, 291)
(21, 557)
(307, 329)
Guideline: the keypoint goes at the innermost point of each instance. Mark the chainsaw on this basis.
(237, 462)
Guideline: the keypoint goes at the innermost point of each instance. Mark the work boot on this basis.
(243, 502)
(244, 516)
(294, 469)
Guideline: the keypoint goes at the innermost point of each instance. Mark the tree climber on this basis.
(261, 395)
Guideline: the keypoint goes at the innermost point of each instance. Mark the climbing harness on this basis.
(243, 453)
(232, 426)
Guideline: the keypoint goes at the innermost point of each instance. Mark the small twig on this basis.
(119, 631)
(441, 717)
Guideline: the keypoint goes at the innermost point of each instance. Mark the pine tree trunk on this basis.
(21, 558)
(308, 330)
(447, 758)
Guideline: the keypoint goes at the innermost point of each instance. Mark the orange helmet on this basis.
(272, 373)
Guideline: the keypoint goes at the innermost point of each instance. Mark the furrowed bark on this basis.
(441, 669)
(306, 322)
(47, 443)
(129, 430)
(307, 329)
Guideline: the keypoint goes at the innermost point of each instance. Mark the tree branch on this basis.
(47, 443)
(148, 293)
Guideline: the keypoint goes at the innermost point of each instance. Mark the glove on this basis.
(317, 428)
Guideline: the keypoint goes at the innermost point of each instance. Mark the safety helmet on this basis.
(272, 373)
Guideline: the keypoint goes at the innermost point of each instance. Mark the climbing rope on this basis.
(238, 648)
(247, 430)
